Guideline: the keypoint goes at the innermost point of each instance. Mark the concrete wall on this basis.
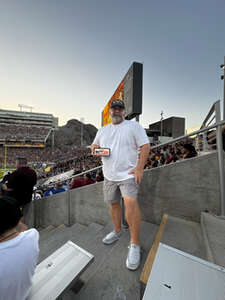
(82, 205)
(87, 205)
(52, 210)
(182, 189)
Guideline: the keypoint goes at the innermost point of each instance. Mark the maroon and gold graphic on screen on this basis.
(129, 91)
(119, 94)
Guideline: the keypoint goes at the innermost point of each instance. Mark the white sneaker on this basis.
(111, 237)
(133, 257)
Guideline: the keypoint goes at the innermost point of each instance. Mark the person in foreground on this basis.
(18, 252)
(20, 186)
(123, 172)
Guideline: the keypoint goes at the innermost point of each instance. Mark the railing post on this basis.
(220, 157)
(197, 143)
(205, 142)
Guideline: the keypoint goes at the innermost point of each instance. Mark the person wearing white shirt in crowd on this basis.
(18, 253)
(123, 173)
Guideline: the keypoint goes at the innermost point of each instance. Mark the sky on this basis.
(67, 57)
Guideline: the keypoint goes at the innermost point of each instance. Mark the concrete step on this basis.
(185, 236)
(57, 237)
(213, 229)
(108, 278)
(45, 233)
(93, 244)
(89, 234)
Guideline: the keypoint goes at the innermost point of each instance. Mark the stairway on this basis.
(214, 238)
(108, 278)
(185, 236)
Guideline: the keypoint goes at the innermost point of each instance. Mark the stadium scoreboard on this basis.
(129, 91)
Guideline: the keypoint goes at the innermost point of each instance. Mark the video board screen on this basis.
(129, 91)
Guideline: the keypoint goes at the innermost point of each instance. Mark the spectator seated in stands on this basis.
(18, 252)
(162, 159)
(54, 190)
(49, 192)
(99, 176)
(154, 162)
(3, 182)
(169, 158)
(78, 181)
(37, 194)
(58, 188)
(211, 137)
(88, 179)
(188, 151)
(65, 186)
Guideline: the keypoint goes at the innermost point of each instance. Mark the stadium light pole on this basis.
(53, 139)
(223, 78)
(161, 131)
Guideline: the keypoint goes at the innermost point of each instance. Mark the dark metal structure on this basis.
(171, 127)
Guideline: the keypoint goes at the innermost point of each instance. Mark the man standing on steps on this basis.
(123, 172)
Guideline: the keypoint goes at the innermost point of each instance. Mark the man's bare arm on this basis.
(143, 156)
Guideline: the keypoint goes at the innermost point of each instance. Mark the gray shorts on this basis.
(115, 190)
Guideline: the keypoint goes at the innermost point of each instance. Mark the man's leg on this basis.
(112, 196)
(116, 213)
(133, 217)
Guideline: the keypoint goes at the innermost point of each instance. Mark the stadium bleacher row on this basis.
(10, 132)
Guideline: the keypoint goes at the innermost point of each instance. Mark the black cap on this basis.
(117, 102)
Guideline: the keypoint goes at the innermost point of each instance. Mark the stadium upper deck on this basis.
(27, 118)
(18, 128)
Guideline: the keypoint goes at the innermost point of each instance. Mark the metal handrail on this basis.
(211, 120)
(189, 134)
(211, 111)
(77, 175)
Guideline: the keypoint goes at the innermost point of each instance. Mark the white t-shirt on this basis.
(18, 259)
(124, 141)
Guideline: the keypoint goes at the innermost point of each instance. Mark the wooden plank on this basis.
(151, 256)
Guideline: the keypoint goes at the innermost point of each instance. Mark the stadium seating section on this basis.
(22, 133)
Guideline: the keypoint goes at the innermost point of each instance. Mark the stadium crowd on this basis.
(84, 161)
(170, 154)
(17, 132)
(62, 159)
